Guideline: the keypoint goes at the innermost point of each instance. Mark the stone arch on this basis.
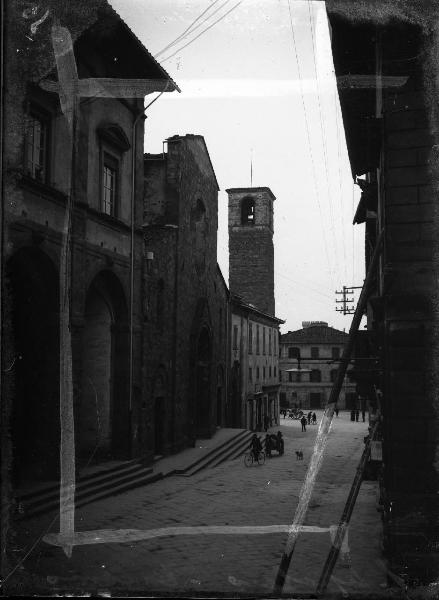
(248, 209)
(33, 287)
(103, 426)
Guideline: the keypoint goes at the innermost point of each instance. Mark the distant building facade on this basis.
(308, 363)
(254, 367)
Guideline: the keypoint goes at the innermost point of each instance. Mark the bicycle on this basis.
(249, 459)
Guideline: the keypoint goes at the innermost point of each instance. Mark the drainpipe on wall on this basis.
(133, 198)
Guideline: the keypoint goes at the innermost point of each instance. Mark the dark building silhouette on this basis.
(387, 93)
(186, 298)
(103, 279)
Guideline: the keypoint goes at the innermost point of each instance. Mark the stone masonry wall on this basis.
(251, 259)
(410, 404)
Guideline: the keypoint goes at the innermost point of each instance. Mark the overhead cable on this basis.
(201, 33)
(191, 29)
(325, 154)
(325, 243)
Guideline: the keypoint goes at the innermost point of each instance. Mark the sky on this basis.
(259, 86)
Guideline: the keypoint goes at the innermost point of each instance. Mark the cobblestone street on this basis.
(232, 495)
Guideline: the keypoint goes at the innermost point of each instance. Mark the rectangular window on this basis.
(250, 374)
(315, 376)
(315, 399)
(275, 372)
(263, 340)
(109, 185)
(314, 352)
(250, 338)
(269, 372)
(335, 353)
(257, 339)
(293, 352)
(264, 371)
(257, 373)
(269, 342)
(36, 147)
(290, 377)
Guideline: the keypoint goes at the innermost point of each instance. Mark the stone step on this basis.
(230, 449)
(101, 483)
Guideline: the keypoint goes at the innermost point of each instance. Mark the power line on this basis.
(343, 222)
(325, 156)
(304, 285)
(204, 31)
(309, 143)
(187, 31)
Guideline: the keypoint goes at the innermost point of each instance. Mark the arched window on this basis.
(315, 376)
(200, 211)
(248, 211)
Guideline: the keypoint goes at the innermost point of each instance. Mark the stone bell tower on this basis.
(251, 250)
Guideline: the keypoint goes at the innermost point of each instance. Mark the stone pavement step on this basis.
(94, 485)
(232, 446)
(235, 452)
(112, 478)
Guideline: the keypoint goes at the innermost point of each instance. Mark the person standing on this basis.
(266, 422)
(314, 418)
(280, 443)
(309, 417)
(303, 421)
(268, 445)
(336, 411)
(357, 415)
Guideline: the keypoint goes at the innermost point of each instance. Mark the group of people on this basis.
(272, 442)
(311, 417)
(355, 414)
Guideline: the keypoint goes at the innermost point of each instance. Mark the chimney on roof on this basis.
(306, 324)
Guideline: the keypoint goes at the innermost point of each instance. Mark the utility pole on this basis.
(347, 293)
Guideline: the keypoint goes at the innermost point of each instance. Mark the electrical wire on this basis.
(202, 32)
(314, 172)
(322, 129)
(343, 221)
(304, 285)
(189, 30)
